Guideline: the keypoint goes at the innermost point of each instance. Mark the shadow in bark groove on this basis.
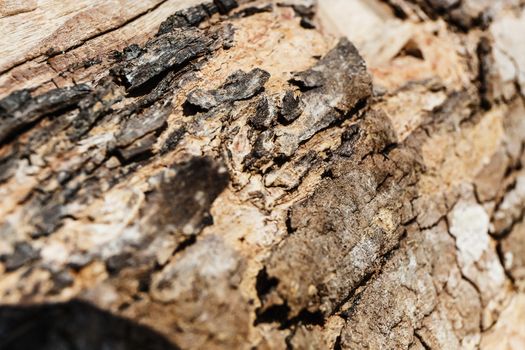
(73, 325)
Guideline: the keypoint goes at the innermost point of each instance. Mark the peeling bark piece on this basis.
(308, 79)
(168, 51)
(455, 321)
(182, 201)
(20, 109)
(341, 82)
(238, 86)
(344, 73)
(291, 107)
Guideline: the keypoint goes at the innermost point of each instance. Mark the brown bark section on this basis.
(291, 175)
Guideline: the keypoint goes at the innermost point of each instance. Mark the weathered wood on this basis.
(341, 174)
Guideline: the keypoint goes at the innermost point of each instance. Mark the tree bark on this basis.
(186, 174)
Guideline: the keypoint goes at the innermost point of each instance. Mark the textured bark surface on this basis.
(344, 174)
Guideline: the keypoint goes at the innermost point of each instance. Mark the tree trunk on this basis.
(238, 175)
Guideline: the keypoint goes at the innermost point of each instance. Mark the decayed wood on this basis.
(271, 175)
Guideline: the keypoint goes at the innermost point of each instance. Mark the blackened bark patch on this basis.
(265, 113)
(305, 317)
(238, 86)
(291, 108)
(19, 109)
(183, 200)
(163, 53)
